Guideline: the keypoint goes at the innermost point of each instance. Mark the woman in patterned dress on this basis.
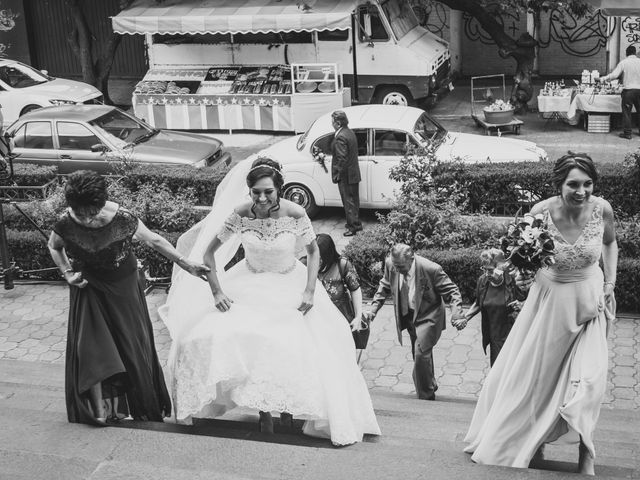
(549, 380)
(269, 339)
(111, 356)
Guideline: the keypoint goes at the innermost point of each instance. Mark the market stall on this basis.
(234, 97)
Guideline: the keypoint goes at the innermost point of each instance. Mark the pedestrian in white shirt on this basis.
(629, 69)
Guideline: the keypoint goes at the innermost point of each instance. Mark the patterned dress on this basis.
(110, 337)
(550, 378)
(263, 353)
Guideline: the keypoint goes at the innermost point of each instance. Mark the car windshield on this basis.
(18, 75)
(401, 17)
(120, 128)
(428, 130)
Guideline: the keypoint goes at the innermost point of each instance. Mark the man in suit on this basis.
(420, 289)
(345, 170)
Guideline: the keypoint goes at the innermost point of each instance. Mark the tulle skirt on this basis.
(264, 354)
(550, 377)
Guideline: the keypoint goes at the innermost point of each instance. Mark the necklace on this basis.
(496, 284)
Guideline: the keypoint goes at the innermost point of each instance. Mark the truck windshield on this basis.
(400, 16)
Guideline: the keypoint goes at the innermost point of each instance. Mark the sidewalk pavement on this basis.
(33, 327)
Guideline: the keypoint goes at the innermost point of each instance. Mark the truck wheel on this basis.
(29, 108)
(302, 196)
(394, 96)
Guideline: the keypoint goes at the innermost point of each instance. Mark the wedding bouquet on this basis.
(528, 245)
(319, 156)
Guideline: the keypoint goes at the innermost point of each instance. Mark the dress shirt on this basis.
(410, 279)
(629, 68)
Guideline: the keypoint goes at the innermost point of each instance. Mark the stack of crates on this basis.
(598, 123)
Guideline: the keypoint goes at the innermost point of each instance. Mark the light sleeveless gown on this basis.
(550, 377)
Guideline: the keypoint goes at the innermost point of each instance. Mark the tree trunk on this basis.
(104, 65)
(81, 42)
(522, 50)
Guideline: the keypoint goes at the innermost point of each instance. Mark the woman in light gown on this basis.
(549, 380)
(263, 334)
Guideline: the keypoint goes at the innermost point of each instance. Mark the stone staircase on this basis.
(421, 440)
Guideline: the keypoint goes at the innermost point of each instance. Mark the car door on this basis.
(33, 143)
(323, 178)
(75, 141)
(389, 146)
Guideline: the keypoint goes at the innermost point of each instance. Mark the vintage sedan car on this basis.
(23, 89)
(384, 133)
(92, 137)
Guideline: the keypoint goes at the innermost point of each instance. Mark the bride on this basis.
(264, 334)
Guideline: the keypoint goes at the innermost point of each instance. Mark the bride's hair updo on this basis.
(264, 167)
(570, 161)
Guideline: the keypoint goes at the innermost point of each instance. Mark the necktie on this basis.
(404, 296)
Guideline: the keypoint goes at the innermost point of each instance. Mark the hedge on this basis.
(28, 175)
(204, 181)
(492, 184)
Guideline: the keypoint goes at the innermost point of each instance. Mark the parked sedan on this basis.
(80, 137)
(23, 89)
(384, 133)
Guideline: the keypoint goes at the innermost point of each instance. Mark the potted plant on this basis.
(499, 112)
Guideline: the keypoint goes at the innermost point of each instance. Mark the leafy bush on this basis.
(26, 174)
(502, 188)
(203, 182)
(628, 234)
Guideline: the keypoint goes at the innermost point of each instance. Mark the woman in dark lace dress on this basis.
(112, 367)
(336, 273)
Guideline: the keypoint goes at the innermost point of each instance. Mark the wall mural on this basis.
(577, 37)
(7, 23)
(13, 31)
(431, 15)
(631, 30)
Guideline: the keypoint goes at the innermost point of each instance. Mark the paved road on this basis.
(33, 322)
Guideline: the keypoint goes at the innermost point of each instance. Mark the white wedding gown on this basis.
(263, 353)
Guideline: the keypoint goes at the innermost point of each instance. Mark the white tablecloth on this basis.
(554, 103)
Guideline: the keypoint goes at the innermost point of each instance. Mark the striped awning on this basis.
(232, 16)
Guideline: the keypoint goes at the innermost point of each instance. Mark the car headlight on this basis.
(202, 163)
(62, 102)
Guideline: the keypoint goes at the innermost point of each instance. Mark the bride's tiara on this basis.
(264, 165)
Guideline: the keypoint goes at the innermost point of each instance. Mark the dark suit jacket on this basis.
(344, 166)
(433, 289)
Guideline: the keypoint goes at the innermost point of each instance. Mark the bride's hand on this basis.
(307, 302)
(223, 303)
(356, 324)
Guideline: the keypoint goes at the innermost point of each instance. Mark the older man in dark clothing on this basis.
(345, 170)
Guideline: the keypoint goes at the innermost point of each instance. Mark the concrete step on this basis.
(419, 439)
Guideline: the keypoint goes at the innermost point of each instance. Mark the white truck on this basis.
(385, 56)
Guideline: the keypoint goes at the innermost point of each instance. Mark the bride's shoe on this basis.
(286, 420)
(586, 463)
(265, 425)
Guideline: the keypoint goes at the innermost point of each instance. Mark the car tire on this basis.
(394, 96)
(29, 108)
(302, 196)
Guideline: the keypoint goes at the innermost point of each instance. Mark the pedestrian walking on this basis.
(420, 289)
(629, 70)
(345, 170)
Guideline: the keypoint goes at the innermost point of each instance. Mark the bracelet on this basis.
(610, 283)
(69, 270)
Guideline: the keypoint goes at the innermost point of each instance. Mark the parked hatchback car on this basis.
(384, 133)
(80, 137)
(23, 89)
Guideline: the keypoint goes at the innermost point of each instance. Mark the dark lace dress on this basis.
(110, 336)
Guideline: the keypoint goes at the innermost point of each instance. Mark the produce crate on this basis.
(598, 123)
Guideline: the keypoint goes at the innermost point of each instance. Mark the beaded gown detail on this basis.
(549, 380)
(263, 353)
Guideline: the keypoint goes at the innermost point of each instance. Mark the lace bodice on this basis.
(586, 250)
(102, 248)
(270, 243)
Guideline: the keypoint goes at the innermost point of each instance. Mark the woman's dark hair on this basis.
(264, 167)
(85, 189)
(328, 253)
(567, 163)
